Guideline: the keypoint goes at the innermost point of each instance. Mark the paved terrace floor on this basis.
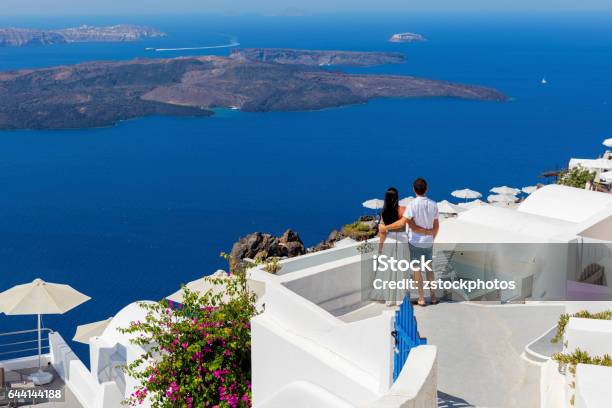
(480, 350)
(19, 379)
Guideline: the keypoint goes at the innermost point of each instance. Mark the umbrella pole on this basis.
(39, 345)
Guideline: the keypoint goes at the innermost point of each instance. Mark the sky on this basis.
(117, 7)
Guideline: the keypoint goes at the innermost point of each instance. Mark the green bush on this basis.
(359, 231)
(582, 357)
(585, 314)
(576, 177)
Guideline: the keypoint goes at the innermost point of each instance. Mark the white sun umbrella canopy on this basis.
(529, 189)
(373, 204)
(502, 198)
(471, 204)
(606, 176)
(39, 298)
(466, 194)
(444, 207)
(607, 142)
(85, 332)
(505, 190)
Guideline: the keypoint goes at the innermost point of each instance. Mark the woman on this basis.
(391, 212)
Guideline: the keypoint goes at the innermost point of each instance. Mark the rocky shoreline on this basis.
(20, 37)
(260, 246)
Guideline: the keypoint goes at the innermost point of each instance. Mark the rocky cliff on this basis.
(259, 246)
(19, 37)
(319, 58)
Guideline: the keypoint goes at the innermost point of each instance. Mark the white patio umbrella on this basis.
(607, 142)
(85, 332)
(466, 194)
(592, 164)
(39, 298)
(472, 204)
(529, 189)
(606, 176)
(203, 285)
(505, 190)
(444, 207)
(373, 204)
(502, 198)
(405, 201)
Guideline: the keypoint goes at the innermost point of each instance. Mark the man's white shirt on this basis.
(423, 211)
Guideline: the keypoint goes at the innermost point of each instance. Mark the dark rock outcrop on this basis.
(261, 246)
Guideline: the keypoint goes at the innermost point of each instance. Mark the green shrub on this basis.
(359, 231)
(585, 314)
(576, 177)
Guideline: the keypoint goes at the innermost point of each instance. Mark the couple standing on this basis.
(416, 224)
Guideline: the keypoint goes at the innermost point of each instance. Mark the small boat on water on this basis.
(544, 81)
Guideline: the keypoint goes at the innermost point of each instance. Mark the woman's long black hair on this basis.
(391, 207)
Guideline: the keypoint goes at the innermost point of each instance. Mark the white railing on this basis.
(23, 343)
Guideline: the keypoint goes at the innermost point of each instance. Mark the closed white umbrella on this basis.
(444, 207)
(39, 298)
(505, 190)
(529, 189)
(502, 198)
(607, 142)
(85, 332)
(607, 176)
(466, 194)
(405, 201)
(373, 204)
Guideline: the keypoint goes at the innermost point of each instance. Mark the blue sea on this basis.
(132, 211)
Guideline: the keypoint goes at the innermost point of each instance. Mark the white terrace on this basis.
(318, 343)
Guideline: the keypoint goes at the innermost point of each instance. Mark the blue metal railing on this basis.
(406, 336)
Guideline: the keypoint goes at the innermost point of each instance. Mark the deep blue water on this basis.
(130, 212)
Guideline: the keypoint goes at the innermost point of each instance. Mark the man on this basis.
(423, 212)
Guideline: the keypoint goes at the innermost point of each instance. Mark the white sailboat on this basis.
(544, 81)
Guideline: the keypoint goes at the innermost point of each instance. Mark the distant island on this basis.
(95, 94)
(406, 37)
(319, 58)
(19, 37)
